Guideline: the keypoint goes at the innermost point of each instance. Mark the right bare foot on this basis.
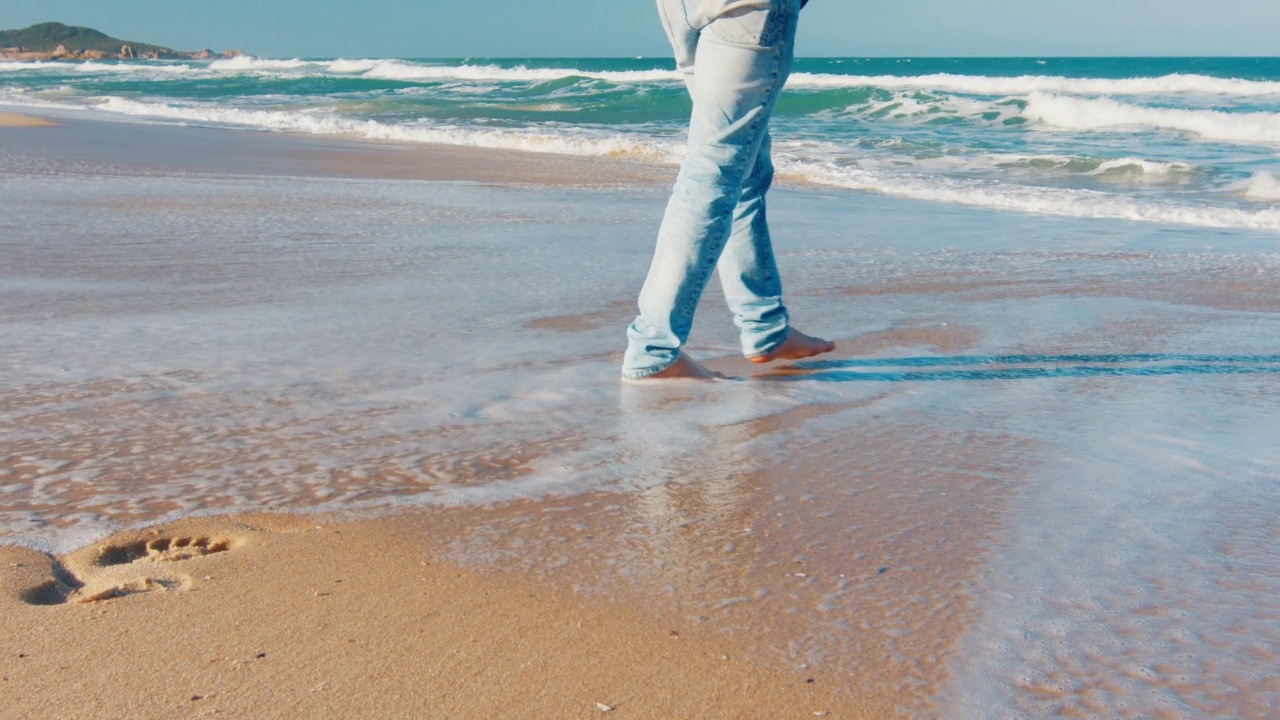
(684, 368)
(796, 347)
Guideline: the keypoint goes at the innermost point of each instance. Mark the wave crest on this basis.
(1263, 186)
(250, 63)
(400, 70)
(321, 123)
(982, 85)
(1072, 113)
(1060, 202)
(1177, 84)
(988, 194)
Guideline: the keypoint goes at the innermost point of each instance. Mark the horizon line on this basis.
(798, 57)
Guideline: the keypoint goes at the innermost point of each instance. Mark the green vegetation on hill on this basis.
(46, 37)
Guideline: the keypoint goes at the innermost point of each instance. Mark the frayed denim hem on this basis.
(647, 372)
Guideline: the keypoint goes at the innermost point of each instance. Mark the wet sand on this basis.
(715, 595)
(149, 149)
(705, 597)
(826, 556)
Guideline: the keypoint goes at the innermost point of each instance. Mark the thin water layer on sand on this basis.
(1036, 477)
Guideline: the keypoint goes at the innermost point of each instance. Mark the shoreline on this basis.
(522, 606)
(336, 156)
(164, 145)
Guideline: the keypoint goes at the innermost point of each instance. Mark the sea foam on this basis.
(97, 67)
(323, 123)
(1180, 148)
(1176, 84)
(1074, 113)
(1010, 197)
(401, 70)
(1263, 186)
(984, 85)
(409, 71)
(995, 195)
(248, 62)
(1068, 112)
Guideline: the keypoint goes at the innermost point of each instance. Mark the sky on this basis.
(627, 28)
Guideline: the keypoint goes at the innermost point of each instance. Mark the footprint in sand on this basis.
(160, 550)
(118, 569)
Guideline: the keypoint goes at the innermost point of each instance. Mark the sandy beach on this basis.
(280, 617)
(307, 427)
(8, 119)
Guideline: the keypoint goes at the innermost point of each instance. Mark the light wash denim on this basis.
(735, 56)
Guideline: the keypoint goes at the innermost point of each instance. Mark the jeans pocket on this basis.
(754, 24)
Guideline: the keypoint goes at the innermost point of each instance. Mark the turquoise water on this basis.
(1168, 140)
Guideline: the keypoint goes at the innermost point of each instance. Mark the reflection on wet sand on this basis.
(1101, 275)
(851, 561)
(616, 313)
(143, 450)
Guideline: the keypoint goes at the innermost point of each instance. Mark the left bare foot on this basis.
(684, 368)
(795, 347)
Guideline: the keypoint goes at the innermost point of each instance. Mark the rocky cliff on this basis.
(55, 41)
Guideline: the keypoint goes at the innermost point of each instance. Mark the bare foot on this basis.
(684, 368)
(796, 346)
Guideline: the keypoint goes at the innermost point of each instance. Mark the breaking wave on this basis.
(990, 194)
(249, 63)
(1060, 202)
(1140, 140)
(410, 71)
(399, 70)
(1177, 84)
(322, 123)
(1263, 186)
(1072, 113)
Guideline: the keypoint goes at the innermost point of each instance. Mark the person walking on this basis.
(734, 56)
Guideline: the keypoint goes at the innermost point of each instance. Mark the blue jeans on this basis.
(735, 56)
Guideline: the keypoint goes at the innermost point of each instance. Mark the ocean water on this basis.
(1054, 287)
(1185, 141)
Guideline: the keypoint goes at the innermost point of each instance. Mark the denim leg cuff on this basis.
(786, 332)
(643, 373)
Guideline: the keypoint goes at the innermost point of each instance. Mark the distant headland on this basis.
(55, 41)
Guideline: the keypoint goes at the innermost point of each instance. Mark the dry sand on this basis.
(281, 617)
(8, 119)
